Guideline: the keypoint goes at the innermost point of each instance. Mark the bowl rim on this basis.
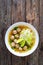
(27, 52)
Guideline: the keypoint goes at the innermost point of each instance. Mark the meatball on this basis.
(14, 32)
(17, 45)
(15, 40)
(13, 44)
(20, 48)
(25, 48)
(18, 29)
(12, 37)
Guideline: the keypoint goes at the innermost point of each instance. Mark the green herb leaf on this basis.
(15, 28)
(10, 41)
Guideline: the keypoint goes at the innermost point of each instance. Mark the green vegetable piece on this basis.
(12, 47)
(27, 36)
(19, 40)
(10, 41)
(22, 43)
(29, 40)
(15, 28)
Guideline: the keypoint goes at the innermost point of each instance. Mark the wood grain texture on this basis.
(12, 11)
(18, 10)
(28, 9)
(41, 34)
(5, 22)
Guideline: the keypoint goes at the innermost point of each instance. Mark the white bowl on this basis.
(24, 53)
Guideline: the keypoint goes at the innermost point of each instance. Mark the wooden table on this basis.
(12, 11)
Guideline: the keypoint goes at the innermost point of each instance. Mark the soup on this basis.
(21, 38)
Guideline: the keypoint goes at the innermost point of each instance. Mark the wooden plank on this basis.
(18, 14)
(18, 10)
(28, 10)
(33, 58)
(41, 34)
(5, 21)
(41, 20)
(36, 10)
